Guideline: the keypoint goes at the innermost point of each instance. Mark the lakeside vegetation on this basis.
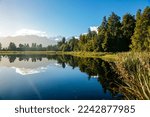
(115, 34)
(134, 70)
(124, 42)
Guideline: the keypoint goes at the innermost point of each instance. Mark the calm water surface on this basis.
(43, 77)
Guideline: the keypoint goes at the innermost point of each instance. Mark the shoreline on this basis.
(107, 56)
(102, 55)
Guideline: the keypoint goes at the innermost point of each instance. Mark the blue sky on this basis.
(61, 17)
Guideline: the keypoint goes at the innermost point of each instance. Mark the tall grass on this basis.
(134, 69)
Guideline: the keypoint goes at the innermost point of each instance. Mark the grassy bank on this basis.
(103, 55)
(134, 69)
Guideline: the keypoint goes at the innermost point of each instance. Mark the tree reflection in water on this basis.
(93, 67)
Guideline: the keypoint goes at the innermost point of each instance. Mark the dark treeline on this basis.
(114, 35)
(26, 47)
(23, 47)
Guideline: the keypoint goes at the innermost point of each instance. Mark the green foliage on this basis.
(114, 32)
(102, 34)
(73, 44)
(61, 44)
(52, 48)
(134, 69)
(113, 36)
(0, 46)
(12, 47)
(128, 25)
(140, 39)
(24, 47)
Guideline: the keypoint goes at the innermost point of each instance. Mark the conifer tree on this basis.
(128, 25)
(140, 39)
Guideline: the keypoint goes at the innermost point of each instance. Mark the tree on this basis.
(106, 42)
(128, 25)
(21, 47)
(102, 35)
(73, 43)
(63, 40)
(66, 47)
(85, 39)
(145, 29)
(33, 47)
(52, 48)
(113, 34)
(61, 43)
(0, 46)
(39, 47)
(89, 46)
(140, 38)
(135, 38)
(91, 34)
(12, 46)
(148, 40)
(27, 47)
(82, 42)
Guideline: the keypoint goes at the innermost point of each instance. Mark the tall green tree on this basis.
(61, 44)
(128, 25)
(82, 41)
(73, 43)
(145, 29)
(137, 32)
(114, 33)
(140, 39)
(102, 35)
(91, 41)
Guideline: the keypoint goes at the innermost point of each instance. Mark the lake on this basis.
(53, 77)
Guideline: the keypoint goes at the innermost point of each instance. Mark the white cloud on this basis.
(94, 28)
(77, 37)
(24, 32)
(23, 71)
(57, 39)
(28, 71)
(84, 33)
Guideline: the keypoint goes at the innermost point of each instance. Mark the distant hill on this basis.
(45, 41)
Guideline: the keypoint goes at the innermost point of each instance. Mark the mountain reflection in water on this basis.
(57, 77)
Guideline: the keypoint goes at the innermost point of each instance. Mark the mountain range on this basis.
(29, 39)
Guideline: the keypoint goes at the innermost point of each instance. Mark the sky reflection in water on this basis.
(51, 78)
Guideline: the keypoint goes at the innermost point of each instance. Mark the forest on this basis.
(126, 39)
(115, 34)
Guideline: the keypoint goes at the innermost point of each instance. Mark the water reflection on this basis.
(95, 69)
(26, 65)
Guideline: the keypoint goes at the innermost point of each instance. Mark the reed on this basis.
(134, 69)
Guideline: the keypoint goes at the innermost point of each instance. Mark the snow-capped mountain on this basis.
(29, 39)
